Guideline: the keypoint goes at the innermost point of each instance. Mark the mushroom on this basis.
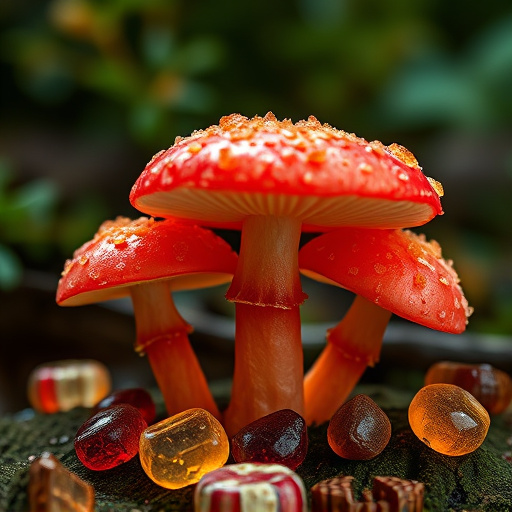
(391, 271)
(272, 180)
(147, 260)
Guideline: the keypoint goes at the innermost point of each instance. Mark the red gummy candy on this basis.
(136, 397)
(110, 437)
(280, 437)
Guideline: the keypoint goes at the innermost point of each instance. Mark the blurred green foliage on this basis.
(117, 80)
(26, 215)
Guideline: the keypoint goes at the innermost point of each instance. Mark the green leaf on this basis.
(11, 269)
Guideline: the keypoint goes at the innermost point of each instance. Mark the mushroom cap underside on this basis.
(262, 166)
(124, 253)
(396, 269)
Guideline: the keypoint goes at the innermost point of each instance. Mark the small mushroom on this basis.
(391, 271)
(273, 180)
(147, 260)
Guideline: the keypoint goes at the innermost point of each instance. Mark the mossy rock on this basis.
(479, 481)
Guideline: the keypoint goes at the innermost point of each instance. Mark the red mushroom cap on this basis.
(397, 270)
(326, 177)
(124, 253)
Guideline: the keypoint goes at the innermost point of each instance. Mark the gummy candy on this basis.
(490, 386)
(280, 437)
(179, 450)
(359, 429)
(136, 397)
(52, 487)
(448, 419)
(110, 437)
(63, 385)
(250, 487)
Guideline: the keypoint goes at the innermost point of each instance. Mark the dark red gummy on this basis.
(136, 397)
(280, 437)
(110, 437)
(359, 429)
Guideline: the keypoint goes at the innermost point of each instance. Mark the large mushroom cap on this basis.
(311, 171)
(124, 253)
(397, 270)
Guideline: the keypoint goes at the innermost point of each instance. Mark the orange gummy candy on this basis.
(179, 450)
(490, 386)
(448, 419)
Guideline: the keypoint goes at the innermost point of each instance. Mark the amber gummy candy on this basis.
(359, 429)
(280, 437)
(448, 419)
(53, 488)
(179, 450)
(62, 385)
(110, 437)
(490, 386)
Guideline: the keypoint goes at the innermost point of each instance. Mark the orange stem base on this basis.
(179, 375)
(268, 376)
(353, 344)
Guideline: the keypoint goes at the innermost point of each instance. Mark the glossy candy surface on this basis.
(250, 487)
(359, 429)
(448, 419)
(280, 437)
(63, 385)
(136, 397)
(490, 386)
(110, 437)
(53, 488)
(179, 450)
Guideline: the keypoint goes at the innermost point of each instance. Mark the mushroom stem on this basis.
(163, 335)
(266, 287)
(353, 344)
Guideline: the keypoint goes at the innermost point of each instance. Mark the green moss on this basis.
(478, 481)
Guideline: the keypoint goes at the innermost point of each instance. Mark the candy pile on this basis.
(192, 447)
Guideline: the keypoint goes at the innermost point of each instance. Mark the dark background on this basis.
(91, 89)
